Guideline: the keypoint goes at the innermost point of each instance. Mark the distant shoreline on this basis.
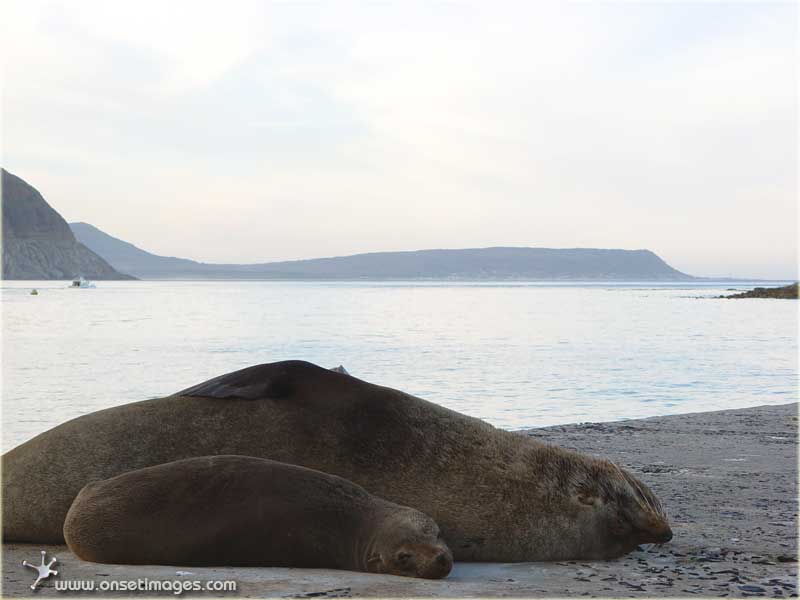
(697, 282)
(494, 262)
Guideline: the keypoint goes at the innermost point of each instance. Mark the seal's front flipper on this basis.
(253, 383)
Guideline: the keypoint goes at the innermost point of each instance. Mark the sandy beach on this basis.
(728, 480)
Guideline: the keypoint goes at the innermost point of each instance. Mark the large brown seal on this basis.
(497, 496)
(240, 510)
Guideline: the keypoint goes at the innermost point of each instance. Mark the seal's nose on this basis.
(665, 535)
(439, 566)
(657, 534)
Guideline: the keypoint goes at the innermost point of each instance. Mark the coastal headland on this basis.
(728, 480)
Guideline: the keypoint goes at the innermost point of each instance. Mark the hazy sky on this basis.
(251, 131)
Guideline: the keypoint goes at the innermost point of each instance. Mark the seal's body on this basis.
(497, 496)
(245, 511)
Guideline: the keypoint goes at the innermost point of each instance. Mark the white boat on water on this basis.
(80, 282)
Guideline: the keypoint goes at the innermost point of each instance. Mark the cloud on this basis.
(306, 130)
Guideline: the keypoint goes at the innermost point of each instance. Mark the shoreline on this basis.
(728, 480)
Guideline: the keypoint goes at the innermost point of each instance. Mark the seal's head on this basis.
(615, 511)
(581, 508)
(409, 543)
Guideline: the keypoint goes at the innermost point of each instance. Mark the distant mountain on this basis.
(128, 258)
(38, 243)
(477, 263)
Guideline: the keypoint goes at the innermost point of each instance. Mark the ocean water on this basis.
(516, 354)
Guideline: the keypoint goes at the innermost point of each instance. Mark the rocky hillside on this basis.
(38, 243)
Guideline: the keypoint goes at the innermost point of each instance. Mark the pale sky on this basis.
(242, 131)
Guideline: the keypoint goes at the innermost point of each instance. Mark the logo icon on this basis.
(44, 571)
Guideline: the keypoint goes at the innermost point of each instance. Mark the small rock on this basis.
(752, 588)
(632, 586)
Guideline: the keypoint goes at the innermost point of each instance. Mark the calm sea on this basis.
(517, 355)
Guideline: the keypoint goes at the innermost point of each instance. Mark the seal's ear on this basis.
(252, 383)
(588, 499)
(620, 526)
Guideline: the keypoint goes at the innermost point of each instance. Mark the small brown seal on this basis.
(239, 510)
(497, 496)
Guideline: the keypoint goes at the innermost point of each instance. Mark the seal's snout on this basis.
(664, 535)
(657, 533)
(426, 561)
(439, 566)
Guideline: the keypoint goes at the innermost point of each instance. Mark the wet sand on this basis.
(728, 480)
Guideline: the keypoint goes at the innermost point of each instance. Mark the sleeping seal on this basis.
(245, 511)
(496, 495)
